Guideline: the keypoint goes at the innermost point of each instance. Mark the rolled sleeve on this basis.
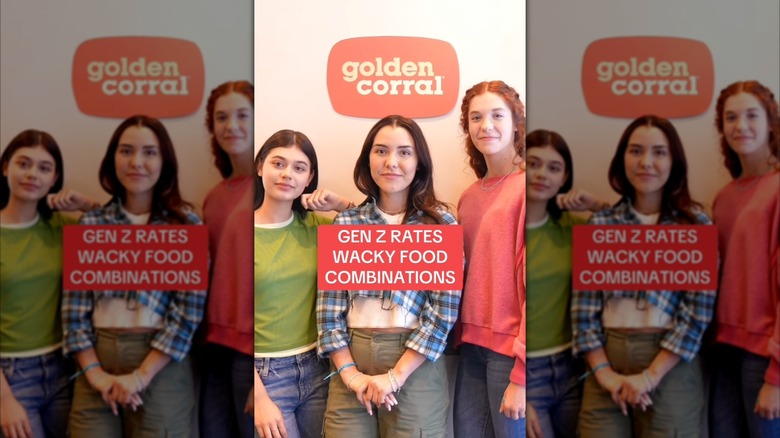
(332, 321)
(436, 319)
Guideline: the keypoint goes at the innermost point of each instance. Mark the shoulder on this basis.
(192, 217)
(447, 216)
(100, 215)
(313, 219)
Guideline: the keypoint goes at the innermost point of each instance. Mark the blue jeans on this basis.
(225, 387)
(555, 392)
(40, 384)
(737, 378)
(297, 385)
(483, 376)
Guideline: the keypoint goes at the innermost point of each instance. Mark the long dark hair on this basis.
(167, 204)
(422, 196)
(281, 139)
(541, 138)
(32, 138)
(246, 89)
(676, 200)
(515, 105)
(767, 99)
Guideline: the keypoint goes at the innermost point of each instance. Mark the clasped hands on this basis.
(374, 390)
(119, 390)
(628, 390)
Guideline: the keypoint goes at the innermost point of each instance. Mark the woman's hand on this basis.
(380, 391)
(532, 426)
(768, 403)
(323, 200)
(612, 382)
(513, 401)
(69, 200)
(103, 383)
(635, 391)
(14, 421)
(126, 391)
(579, 200)
(269, 421)
(359, 385)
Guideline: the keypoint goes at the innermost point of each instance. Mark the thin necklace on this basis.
(390, 213)
(486, 189)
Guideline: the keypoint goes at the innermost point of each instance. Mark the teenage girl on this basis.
(385, 345)
(490, 388)
(34, 390)
(642, 346)
(132, 346)
(746, 385)
(554, 389)
(290, 385)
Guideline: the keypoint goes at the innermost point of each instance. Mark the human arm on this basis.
(580, 200)
(325, 200)
(269, 421)
(14, 421)
(70, 200)
(768, 402)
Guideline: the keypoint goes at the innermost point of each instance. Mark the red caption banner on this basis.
(143, 257)
(390, 257)
(645, 257)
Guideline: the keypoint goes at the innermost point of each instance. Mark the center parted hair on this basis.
(675, 198)
(287, 138)
(767, 100)
(512, 99)
(541, 138)
(422, 196)
(167, 204)
(32, 138)
(245, 88)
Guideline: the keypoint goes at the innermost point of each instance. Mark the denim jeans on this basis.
(555, 392)
(40, 384)
(483, 376)
(737, 379)
(297, 385)
(225, 387)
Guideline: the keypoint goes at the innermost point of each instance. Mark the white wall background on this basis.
(39, 39)
(743, 37)
(292, 43)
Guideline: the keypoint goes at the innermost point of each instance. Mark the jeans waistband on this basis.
(296, 358)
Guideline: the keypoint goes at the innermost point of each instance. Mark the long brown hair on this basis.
(515, 105)
(32, 138)
(767, 99)
(167, 204)
(676, 199)
(245, 88)
(422, 196)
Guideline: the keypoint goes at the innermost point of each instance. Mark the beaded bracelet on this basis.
(593, 371)
(85, 369)
(393, 383)
(338, 371)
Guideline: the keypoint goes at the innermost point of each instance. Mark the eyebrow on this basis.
(285, 159)
(45, 160)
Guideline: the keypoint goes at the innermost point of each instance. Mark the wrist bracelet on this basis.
(138, 380)
(351, 379)
(85, 369)
(393, 383)
(648, 380)
(338, 371)
(594, 369)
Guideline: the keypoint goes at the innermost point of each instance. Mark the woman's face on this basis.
(393, 161)
(234, 123)
(490, 124)
(745, 125)
(546, 173)
(138, 160)
(286, 171)
(648, 160)
(31, 173)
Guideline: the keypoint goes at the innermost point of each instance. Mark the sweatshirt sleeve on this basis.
(519, 346)
(772, 375)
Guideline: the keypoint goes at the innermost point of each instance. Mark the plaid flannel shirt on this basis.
(436, 310)
(691, 311)
(182, 311)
